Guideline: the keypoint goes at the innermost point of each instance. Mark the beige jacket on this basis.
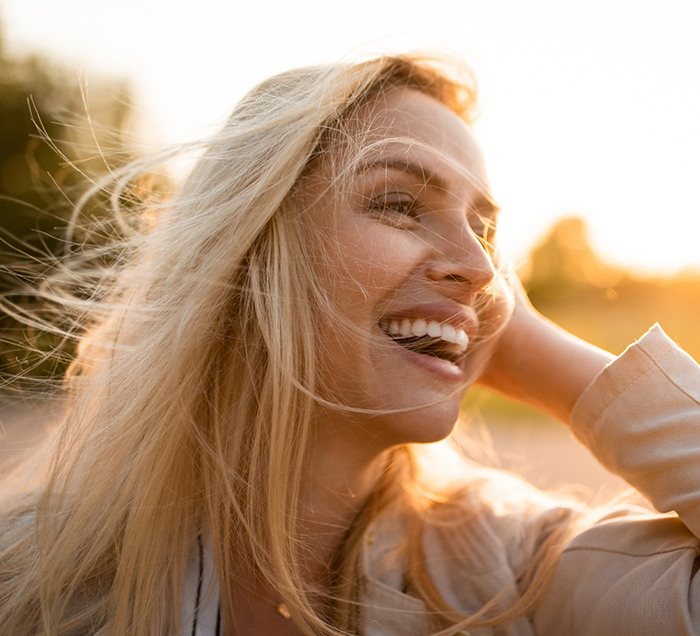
(630, 574)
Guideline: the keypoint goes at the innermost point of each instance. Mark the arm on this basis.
(540, 364)
(640, 416)
(637, 575)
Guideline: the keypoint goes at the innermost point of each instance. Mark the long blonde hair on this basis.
(194, 387)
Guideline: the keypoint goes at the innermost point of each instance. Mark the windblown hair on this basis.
(194, 387)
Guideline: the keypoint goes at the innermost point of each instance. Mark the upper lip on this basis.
(459, 316)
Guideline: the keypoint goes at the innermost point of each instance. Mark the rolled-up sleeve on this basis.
(636, 574)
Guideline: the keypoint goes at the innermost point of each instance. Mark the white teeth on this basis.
(448, 333)
(406, 328)
(434, 329)
(462, 338)
(420, 328)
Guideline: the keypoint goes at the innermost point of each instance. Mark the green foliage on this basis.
(53, 138)
(39, 102)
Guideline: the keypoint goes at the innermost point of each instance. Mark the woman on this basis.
(242, 451)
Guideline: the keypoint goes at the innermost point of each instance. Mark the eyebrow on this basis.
(427, 177)
(483, 201)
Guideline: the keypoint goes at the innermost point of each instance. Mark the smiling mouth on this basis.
(442, 341)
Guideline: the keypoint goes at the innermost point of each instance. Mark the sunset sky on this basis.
(589, 108)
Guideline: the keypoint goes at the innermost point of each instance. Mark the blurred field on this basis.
(546, 454)
(605, 305)
(534, 446)
(506, 435)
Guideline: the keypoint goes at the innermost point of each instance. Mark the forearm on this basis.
(641, 420)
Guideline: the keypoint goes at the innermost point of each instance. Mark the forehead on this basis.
(417, 127)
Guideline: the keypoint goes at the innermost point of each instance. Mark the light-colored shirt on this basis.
(631, 573)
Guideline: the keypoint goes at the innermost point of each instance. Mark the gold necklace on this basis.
(281, 608)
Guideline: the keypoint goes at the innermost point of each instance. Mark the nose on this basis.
(460, 263)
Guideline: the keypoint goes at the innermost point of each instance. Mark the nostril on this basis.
(457, 278)
(468, 275)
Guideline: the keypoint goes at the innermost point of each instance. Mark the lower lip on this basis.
(441, 368)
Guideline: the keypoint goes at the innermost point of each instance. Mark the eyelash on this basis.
(403, 207)
(403, 211)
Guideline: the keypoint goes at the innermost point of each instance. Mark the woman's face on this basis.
(409, 273)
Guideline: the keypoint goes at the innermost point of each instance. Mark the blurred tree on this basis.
(40, 101)
(48, 127)
(606, 305)
(571, 284)
(564, 263)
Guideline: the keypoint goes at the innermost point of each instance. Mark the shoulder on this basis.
(499, 516)
(490, 522)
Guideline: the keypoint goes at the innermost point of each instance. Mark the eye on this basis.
(398, 209)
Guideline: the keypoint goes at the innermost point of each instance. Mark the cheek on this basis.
(366, 267)
(374, 260)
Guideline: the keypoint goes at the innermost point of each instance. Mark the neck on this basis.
(336, 486)
(336, 490)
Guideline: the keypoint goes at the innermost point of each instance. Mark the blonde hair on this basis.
(194, 387)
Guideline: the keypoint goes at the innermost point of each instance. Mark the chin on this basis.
(426, 425)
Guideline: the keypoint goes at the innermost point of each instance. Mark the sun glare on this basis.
(586, 109)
